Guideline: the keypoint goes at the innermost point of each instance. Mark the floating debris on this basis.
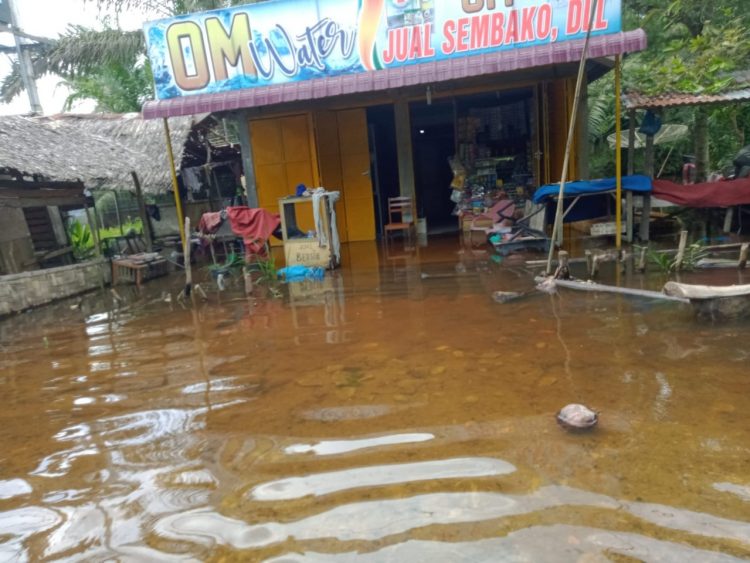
(577, 417)
(506, 296)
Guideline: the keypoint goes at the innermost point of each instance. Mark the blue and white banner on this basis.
(292, 40)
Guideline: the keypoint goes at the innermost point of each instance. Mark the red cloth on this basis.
(255, 226)
(210, 223)
(726, 193)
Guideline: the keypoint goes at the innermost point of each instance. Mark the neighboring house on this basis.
(47, 163)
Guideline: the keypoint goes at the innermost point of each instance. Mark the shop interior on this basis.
(486, 139)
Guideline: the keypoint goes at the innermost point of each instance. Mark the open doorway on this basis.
(434, 143)
(384, 160)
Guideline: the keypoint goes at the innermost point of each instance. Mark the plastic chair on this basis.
(400, 216)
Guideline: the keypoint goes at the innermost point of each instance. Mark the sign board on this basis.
(294, 40)
(5, 12)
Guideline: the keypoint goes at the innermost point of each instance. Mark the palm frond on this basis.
(12, 84)
(82, 49)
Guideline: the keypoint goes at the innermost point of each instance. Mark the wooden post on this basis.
(644, 233)
(589, 261)
(744, 251)
(94, 226)
(563, 268)
(175, 184)
(595, 265)
(248, 164)
(186, 255)
(642, 259)
(117, 213)
(681, 251)
(631, 170)
(728, 219)
(618, 153)
(147, 233)
(404, 149)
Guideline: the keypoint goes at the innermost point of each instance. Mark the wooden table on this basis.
(135, 271)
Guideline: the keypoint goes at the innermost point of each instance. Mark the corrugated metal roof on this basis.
(640, 101)
(391, 78)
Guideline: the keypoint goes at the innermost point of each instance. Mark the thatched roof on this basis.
(100, 150)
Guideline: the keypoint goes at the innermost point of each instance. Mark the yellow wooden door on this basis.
(561, 94)
(329, 164)
(283, 156)
(354, 148)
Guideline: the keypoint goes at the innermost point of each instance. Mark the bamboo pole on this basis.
(187, 259)
(571, 134)
(175, 184)
(618, 149)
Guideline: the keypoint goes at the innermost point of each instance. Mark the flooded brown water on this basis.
(394, 413)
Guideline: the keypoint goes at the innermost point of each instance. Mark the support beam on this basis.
(148, 234)
(404, 149)
(618, 153)
(242, 123)
(630, 235)
(645, 230)
(728, 220)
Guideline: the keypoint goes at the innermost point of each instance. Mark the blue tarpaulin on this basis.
(636, 183)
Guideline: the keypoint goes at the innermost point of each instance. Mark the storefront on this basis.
(374, 98)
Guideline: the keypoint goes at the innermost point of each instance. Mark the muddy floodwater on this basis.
(394, 412)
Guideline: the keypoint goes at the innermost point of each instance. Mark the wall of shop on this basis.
(328, 145)
(26, 290)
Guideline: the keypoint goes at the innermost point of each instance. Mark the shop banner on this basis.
(294, 40)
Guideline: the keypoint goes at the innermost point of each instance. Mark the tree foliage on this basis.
(694, 47)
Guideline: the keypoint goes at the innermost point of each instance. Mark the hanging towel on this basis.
(255, 226)
(332, 198)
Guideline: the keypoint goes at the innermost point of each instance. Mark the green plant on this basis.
(233, 262)
(267, 269)
(667, 263)
(82, 240)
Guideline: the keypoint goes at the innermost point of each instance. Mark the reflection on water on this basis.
(379, 475)
(392, 412)
(333, 447)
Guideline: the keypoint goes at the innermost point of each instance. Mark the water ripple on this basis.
(379, 475)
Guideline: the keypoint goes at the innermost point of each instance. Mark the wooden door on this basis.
(283, 154)
(561, 94)
(329, 164)
(354, 148)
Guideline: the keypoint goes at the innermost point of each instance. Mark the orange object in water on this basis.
(369, 21)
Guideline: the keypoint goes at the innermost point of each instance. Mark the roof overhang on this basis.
(402, 77)
(663, 101)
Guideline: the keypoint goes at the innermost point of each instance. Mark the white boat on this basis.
(713, 301)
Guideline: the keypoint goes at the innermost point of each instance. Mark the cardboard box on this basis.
(469, 222)
(307, 252)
